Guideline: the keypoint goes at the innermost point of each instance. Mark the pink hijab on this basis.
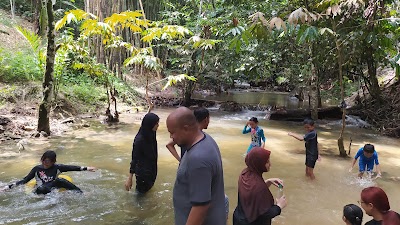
(255, 197)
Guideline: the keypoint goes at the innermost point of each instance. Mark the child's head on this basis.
(352, 214)
(308, 124)
(253, 121)
(202, 116)
(368, 150)
(48, 159)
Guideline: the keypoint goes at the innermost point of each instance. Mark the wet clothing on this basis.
(56, 184)
(239, 217)
(365, 162)
(145, 154)
(257, 135)
(311, 144)
(373, 222)
(47, 178)
(200, 181)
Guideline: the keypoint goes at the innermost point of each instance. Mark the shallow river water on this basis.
(108, 148)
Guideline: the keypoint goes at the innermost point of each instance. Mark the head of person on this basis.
(368, 150)
(182, 126)
(48, 159)
(202, 116)
(257, 160)
(253, 122)
(149, 125)
(375, 202)
(352, 214)
(308, 125)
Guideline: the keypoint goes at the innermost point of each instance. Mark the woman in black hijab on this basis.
(144, 155)
(255, 201)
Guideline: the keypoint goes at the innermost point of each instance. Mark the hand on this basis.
(290, 133)
(91, 169)
(128, 184)
(5, 188)
(378, 176)
(281, 202)
(319, 158)
(274, 181)
(351, 168)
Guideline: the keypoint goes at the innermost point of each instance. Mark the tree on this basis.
(45, 105)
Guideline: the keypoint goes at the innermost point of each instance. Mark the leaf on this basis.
(177, 78)
(325, 29)
(278, 23)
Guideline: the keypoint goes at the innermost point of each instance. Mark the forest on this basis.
(95, 52)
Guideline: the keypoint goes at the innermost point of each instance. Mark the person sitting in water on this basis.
(257, 134)
(46, 175)
(352, 214)
(368, 157)
(203, 118)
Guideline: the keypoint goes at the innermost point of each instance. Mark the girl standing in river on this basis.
(144, 155)
(257, 134)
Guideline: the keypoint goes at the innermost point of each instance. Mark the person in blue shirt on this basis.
(368, 158)
(257, 134)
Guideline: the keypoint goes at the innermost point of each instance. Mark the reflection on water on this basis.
(109, 148)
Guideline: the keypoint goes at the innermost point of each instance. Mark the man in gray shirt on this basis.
(198, 196)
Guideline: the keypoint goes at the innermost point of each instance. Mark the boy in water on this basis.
(368, 157)
(311, 146)
(46, 175)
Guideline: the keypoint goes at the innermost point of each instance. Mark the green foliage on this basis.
(18, 67)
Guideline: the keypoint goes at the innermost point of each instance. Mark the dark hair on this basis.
(49, 155)
(254, 119)
(369, 148)
(201, 114)
(309, 122)
(353, 214)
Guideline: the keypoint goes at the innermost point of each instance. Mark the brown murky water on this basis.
(109, 148)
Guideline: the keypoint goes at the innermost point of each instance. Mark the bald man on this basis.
(198, 196)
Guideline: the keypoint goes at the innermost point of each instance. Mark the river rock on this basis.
(28, 128)
(4, 120)
(231, 106)
(2, 129)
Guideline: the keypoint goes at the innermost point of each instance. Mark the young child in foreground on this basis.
(368, 158)
(46, 175)
(311, 146)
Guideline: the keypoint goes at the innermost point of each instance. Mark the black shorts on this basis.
(310, 161)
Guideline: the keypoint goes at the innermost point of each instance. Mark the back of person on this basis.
(200, 169)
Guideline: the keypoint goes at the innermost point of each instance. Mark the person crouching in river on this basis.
(47, 173)
(144, 155)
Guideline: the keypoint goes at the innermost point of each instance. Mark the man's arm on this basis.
(197, 214)
(297, 136)
(171, 147)
(353, 162)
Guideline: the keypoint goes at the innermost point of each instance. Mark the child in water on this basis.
(310, 138)
(46, 175)
(368, 157)
(257, 134)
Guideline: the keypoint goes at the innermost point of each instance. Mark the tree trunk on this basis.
(313, 86)
(187, 97)
(44, 108)
(43, 19)
(374, 89)
(342, 151)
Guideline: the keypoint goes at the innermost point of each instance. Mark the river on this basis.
(108, 148)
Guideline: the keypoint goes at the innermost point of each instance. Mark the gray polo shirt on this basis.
(200, 181)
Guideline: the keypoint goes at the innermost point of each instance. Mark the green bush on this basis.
(18, 67)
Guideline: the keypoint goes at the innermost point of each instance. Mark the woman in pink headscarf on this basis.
(255, 202)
